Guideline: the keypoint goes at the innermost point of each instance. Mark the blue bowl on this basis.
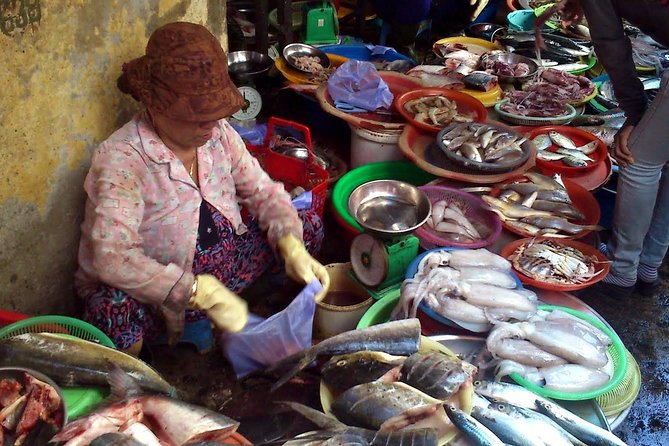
(521, 20)
(361, 52)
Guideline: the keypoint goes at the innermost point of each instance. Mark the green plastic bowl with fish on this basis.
(617, 357)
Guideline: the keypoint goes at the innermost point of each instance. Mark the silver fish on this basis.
(436, 374)
(470, 151)
(554, 195)
(545, 155)
(476, 432)
(560, 223)
(544, 181)
(561, 140)
(395, 338)
(575, 154)
(577, 426)
(574, 162)
(563, 209)
(588, 148)
(542, 142)
(513, 210)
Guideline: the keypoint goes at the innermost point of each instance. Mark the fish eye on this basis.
(341, 363)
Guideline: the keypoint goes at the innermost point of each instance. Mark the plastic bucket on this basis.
(371, 146)
(521, 20)
(349, 301)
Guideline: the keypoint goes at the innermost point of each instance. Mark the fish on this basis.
(588, 148)
(574, 162)
(479, 80)
(436, 374)
(389, 407)
(514, 210)
(550, 156)
(342, 372)
(523, 188)
(561, 140)
(73, 361)
(577, 426)
(509, 195)
(331, 428)
(115, 439)
(542, 142)
(395, 338)
(546, 182)
(559, 223)
(475, 432)
(554, 195)
(575, 154)
(563, 209)
(172, 421)
(523, 227)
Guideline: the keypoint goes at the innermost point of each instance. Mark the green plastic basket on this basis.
(78, 400)
(385, 170)
(380, 311)
(616, 350)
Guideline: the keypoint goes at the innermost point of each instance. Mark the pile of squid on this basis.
(449, 219)
(553, 349)
(552, 262)
(472, 288)
(437, 111)
(539, 206)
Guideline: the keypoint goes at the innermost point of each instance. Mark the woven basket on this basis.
(532, 121)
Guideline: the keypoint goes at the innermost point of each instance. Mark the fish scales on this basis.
(434, 373)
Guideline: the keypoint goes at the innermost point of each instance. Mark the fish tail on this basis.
(308, 358)
(122, 384)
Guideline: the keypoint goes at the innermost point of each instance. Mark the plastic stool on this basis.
(197, 333)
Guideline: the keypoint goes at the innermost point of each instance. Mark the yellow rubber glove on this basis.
(300, 266)
(225, 309)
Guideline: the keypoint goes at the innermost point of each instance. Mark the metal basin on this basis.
(511, 58)
(248, 65)
(389, 208)
(295, 50)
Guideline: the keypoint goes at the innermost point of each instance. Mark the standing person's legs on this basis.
(641, 215)
(657, 240)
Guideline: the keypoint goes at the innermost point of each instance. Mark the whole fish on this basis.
(561, 140)
(546, 183)
(342, 372)
(545, 429)
(542, 142)
(563, 209)
(331, 428)
(115, 439)
(395, 338)
(577, 426)
(173, 421)
(514, 210)
(389, 407)
(574, 162)
(554, 195)
(575, 154)
(73, 361)
(550, 156)
(436, 374)
(559, 223)
(476, 432)
(588, 148)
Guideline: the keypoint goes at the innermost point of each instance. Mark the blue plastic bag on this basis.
(265, 341)
(358, 83)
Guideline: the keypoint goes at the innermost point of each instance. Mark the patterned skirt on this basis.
(236, 260)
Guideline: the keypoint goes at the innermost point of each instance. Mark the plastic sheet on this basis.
(265, 341)
(359, 84)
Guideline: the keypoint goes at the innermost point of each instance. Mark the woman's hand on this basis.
(226, 310)
(300, 266)
(621, 151)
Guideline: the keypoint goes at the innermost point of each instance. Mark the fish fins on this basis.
(308, 358)
(320, 419)
(123, 386)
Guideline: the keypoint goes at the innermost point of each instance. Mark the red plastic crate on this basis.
(9, 317)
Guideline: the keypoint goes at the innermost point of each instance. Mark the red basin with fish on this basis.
(580, 138)
(466, 105)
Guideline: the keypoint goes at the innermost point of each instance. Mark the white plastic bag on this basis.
(358, 83)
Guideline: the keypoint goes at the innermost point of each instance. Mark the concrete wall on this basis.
(58, 100)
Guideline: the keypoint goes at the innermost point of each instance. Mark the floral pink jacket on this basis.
(142, 211)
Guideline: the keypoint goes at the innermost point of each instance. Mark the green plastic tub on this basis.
(385, 170)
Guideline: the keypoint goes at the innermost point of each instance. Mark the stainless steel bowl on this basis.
(248, 65)
(294, 50)
(389, 208)
(301, 153)
(483, 30)
(512, 58)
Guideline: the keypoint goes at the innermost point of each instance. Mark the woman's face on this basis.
(183, 135)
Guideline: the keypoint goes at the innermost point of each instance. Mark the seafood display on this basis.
(448, 218)
(147, 419)
(499, 67)
(395, 338)
(311, 64)
(437, 111)
(483, 143)
(437, 76)
(75, 362)
(31, 411)
(480, 80)
(539, 206)
(555, 146)
(552, 262)
(471, 288)
(558, 51)
(552, 349)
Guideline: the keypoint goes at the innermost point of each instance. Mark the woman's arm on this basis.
(114, 186)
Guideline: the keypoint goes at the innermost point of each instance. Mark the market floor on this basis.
(207, 379)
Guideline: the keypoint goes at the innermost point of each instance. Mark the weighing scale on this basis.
(252, 103)
(389, 211)
(248, 70)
